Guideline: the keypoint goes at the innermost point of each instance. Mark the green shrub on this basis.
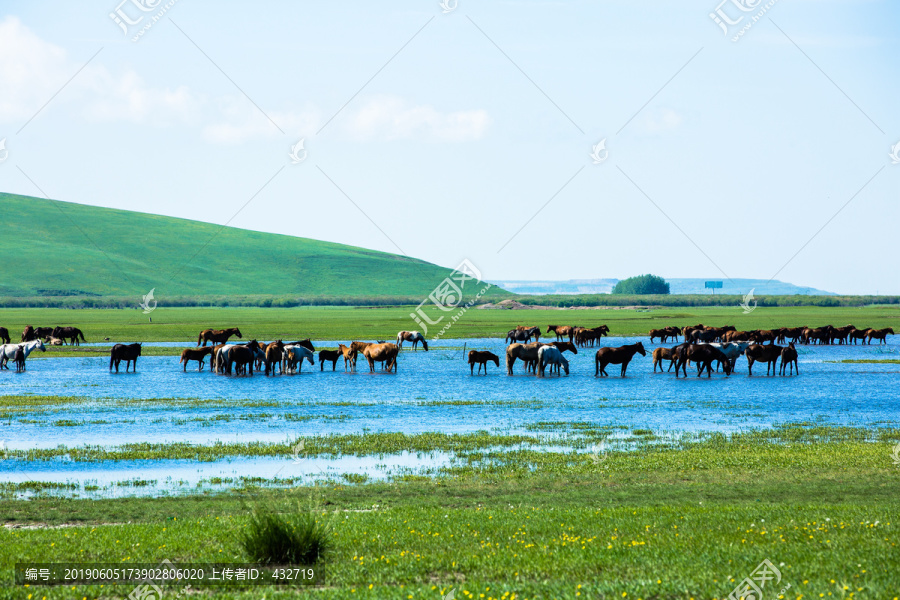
(296, 538)
(642, 284)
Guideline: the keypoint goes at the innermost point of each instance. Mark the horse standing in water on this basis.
(411, 336)
(550, 355)
(789, 357)
(621, 355)
(128, 353)
(481, 359)
(8, 351)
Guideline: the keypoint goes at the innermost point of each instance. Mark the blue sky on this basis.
(468, 134)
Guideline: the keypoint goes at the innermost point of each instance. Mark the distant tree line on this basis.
(641, 285)
(557, 300)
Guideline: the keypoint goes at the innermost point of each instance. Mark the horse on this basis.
(223, 356)
(662, 334)
(858, 334)
(621, 355)
(53, 341)
(840, 334)
(563, 346)
(583, 336)
(356, 349)
(274, 355)
(561, 331)
(198, 354)
(703, 355)
(68, 333)
(28, 334)
(4, 335)
(523, 335)
(661, 354)
(332, 355)
(411, 336)
(383, 353)
(8, 351)
(19, 359)
(550, 355)
(295, 354)
(349, 356)
(789, 357)
(242, 357)
(217, 336)
(528, 353)
(481, 358)
(878, 334)
(128, 353)
(731, 350)
(43, 332)
(768, 353)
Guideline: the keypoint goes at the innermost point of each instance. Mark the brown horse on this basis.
(331, 355)
(767, 353)
(563, 346)
(703, 355)
(4, 335)
(356, 348)
(386, 354)
(19, 359)
(662, 334)
(661, 354)
(349, 356)
(616, 356)
(789, 357)
(128, 353)
(411, 336)
(217, 336)
(28, 334)
(561, 331)
(68, 333)
(274, 354)
(527, 353)
(481, 359)
(878, 334)
(198, 354)
(857, 334)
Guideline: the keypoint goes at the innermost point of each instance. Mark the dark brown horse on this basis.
(703, 355)
(329, 355)
(621, 355)
(481, 359)
(43, 332)
(217, 336)
(789, 357)
(127, 352)
(4, 335)
(198, 354)
(19, 359)
(72, 334)
(28, 334)
(767, 353)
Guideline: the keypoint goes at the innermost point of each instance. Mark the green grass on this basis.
(88, 250)
(674, 524)
(383, 323)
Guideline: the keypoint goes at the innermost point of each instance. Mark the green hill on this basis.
(52, 248)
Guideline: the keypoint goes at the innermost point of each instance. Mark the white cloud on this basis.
(242, 121)
(392, 118)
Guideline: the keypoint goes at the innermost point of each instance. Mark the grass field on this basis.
(673, 523)
(347, 323)
(89, 250)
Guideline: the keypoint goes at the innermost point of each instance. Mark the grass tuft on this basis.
(296, 538)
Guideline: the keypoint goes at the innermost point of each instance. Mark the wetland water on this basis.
(432, 391)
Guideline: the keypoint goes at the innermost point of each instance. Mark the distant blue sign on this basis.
(713, 284)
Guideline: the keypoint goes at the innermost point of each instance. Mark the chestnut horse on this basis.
(661, 354)
(383, 353)
(767, 353)
(616, 356)
(481, 359)
(217, 336)
(561, 331)
(411, 336)
(878, 334)
(349, 356)
(527, 353)
(198, 354)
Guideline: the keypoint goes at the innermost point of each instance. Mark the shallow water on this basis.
(825, 392)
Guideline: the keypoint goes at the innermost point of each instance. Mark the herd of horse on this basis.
(702, 346)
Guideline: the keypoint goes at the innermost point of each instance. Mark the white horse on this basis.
(294, 355)
(8, 351)
(411, 336)
(732, 350)
(550, 355)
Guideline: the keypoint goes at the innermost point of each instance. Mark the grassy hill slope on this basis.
(51, 248)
